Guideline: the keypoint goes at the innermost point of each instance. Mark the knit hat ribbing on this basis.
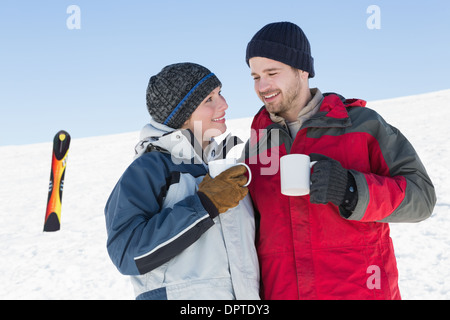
(284, 42)
(175, 92)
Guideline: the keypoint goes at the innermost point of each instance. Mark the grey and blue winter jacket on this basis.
(160, 233)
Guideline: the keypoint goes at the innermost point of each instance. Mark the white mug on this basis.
(295, 170)
(216, 167)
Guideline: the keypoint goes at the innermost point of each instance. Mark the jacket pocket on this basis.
(157, 294)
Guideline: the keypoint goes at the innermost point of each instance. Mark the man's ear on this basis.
(304, 75)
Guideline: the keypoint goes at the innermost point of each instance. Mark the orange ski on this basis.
(61, 144)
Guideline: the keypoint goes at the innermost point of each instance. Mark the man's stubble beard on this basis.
(292, 99)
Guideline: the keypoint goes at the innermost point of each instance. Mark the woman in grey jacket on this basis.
(178, 235)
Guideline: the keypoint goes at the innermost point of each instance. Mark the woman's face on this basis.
(208, 120)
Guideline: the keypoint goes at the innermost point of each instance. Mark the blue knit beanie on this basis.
(284, 42)
(176, 92)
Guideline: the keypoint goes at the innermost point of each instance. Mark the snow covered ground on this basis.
(73, 263)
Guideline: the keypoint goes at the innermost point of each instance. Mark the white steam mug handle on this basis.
(249, 173)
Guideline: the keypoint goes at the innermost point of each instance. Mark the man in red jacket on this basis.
(333, 243)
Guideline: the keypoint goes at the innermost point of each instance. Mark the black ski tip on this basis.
(52, 223)
(61, 143)
(62, 135)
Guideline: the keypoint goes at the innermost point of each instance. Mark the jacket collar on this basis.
(332, 113)
(181, 144)
(307, 112)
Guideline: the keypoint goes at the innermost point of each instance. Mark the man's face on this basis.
(277, 84)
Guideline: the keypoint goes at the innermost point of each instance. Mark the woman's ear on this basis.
(186, 124)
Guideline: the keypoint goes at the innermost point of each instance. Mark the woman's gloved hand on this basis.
(224, 191)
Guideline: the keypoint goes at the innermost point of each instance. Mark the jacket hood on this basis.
(181, 144)
(154, 129)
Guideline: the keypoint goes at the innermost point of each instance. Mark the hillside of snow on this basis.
(73, 263)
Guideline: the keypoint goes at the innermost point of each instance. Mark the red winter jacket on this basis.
(310, 251)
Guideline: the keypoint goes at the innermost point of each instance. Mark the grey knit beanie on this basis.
(284, 42)
(175, 92)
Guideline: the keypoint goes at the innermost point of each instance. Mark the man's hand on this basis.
(328, 181)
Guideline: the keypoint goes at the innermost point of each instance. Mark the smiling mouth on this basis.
(271, 96)
(218, 119)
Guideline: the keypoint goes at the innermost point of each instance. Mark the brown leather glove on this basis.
(224, 191)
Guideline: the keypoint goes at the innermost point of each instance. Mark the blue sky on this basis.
(91, 81)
